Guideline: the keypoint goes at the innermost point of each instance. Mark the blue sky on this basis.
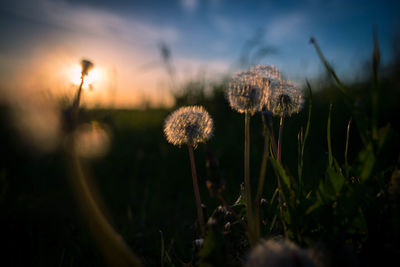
(42, 38)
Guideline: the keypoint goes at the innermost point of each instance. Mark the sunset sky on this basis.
(44, 40)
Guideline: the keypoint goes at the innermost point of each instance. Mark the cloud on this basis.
(189, 5)
(223, 24)
(92, 21)
(117, 44)
(286, 27)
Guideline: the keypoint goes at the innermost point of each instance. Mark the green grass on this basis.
(340, 182)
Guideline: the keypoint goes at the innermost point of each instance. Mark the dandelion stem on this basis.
(196, 191)
(279, 156)
(77, 100)
(261, 179)
(247, 183)
(273, 141)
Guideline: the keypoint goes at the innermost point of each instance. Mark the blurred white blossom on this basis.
(278, 253)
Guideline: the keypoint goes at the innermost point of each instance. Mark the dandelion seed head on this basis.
(249, 90)
(86, 66)
(273, 253)
(188, 125)
(286, 99)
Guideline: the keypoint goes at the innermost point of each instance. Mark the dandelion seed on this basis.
(249, 90)
(188, 125)
(285, 99)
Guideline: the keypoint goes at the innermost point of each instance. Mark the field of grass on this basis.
(347, 200)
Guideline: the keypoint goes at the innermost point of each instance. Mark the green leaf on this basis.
(210, 254)
(282, 173)
(383, 135)
(367, 159)
(336, 180)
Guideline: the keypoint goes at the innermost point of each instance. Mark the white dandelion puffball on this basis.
(275, 253)
(285, 99)
(188, 125)
(249, 90)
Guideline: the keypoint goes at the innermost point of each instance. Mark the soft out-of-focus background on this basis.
(151, 57)
(134, 42)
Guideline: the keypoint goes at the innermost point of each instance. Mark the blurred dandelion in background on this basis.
(188, 125)
(91, 140)
(286, 99)
(249, 90)
(271, 253)
(37, 120)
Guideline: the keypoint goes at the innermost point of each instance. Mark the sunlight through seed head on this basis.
(91, 74)
(249, 90)
(188, 125)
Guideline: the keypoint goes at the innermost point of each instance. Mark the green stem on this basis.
(261, 179)
(279, 159)
(196, 192)
(279, 156)
(247, 183)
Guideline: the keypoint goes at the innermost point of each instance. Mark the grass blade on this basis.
(303, 138)
(328, 137)
(375, 87)
(346, 162)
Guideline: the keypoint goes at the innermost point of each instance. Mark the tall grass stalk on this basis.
(328, 137)
(302, 141)
(346, 150)
(196, 190)
(375, 87)
(349, 98)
